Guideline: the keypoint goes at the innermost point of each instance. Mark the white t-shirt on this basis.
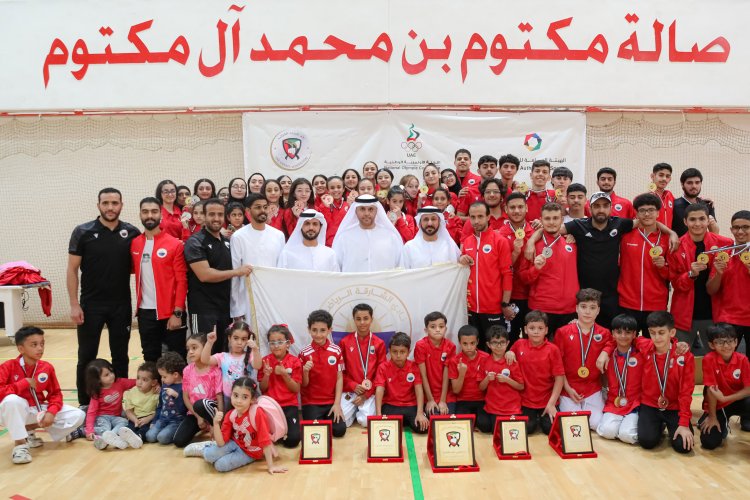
(148, 287)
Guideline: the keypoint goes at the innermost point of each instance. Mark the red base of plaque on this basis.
(556, 438)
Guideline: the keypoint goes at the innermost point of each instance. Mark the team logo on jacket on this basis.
(632, 362)
(124, 233)
(162, 252)
(568, 248)
(410, 377)
(43, 377)
(289, 371)
(613, 233)
(681, 361)
(736, 374)
(487, 248)
(331, 360)
(472, 182)
(670, 203)
(598, 337)
(505, 372)
(444, 356)
(372, 350)
(618, 207)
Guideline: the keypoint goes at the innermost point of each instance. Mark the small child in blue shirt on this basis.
(171, 409)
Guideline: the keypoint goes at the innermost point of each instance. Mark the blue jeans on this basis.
(227, 457)
(105, 423)
(162, 431)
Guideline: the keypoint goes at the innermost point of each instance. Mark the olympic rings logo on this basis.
(412, 146)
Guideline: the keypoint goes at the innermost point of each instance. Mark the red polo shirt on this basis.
(501, 399)
(327, 363)
(729, 377)
(353, 372)
(535, 200)
(470, 390)
(539, 366)
(399, 383)
(276, 387)
(435, 359)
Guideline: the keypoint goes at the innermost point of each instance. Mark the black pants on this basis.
(117, 317)
(293, 433)
(743, 332)
(409, 413)
(320, 412)
(204, 323)
(609, 308)
(556, 321)
(486, 421)
(516, 326)
(141, 431)
(536, 420)
(205, 409)
(640, 317)
(715, 436)
(651, 423)
(469, 407)
(154, 333)
(483, 322)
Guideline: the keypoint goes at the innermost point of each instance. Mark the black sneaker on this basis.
(76, 434)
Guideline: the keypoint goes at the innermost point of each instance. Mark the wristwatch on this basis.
(505, 304)
(177, 313)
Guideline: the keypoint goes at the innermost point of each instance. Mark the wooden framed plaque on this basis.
(316, 442)
(510, 439)
(570, 436)
(450, 443)
(385, 438)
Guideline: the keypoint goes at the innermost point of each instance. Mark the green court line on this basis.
(416, 482)
(3, 431)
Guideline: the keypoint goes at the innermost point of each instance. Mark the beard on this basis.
(429, 231)
(310, 235)
(150, 223)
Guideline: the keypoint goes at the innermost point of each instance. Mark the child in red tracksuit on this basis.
(667, 387)
(30, 395)
(432, 354)
(463, 370)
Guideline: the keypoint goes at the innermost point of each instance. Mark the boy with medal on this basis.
(624, 372)
(726, 377)
(363, 353)
(580, 345)
(667, 387)
(463, 370)
(432, 354)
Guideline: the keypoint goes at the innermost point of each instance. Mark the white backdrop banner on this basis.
(183, 54)
(400, 300)
(305, 143)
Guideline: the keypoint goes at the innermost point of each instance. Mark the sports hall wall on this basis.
(53, 167)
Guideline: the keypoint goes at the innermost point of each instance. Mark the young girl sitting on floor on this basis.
(105, 425)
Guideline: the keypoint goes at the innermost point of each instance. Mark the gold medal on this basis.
(663, 403)
(722, 257)
(423, 189)
(559, 192)
(522, 188)
(745, 257)
(383, 194)
(618, 402)
(655, 251)
(583, 372)
(652, 187)
(702, 259)
(520, 233)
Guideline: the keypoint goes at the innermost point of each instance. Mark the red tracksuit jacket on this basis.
(491, 274)
(731, 304)
(680, 379)
(170, 272)
(520, 288)
(13, 381)
(642, 286)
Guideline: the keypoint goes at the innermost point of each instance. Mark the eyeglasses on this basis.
(168, 191)
(278, 343)
(741, 228)
(723, 342)
(497, 342)
(647, 210)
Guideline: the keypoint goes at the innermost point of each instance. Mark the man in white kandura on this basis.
(306, 248)
(432, 244)
(255, 244)
(366, 240)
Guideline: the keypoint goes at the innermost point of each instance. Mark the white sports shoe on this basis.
(113, 439)
(34, 441)
(130, 437)
(196, 449)
(21, 454)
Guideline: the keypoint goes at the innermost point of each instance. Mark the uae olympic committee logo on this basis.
(389, 310)
(290, 149)
(412, 144)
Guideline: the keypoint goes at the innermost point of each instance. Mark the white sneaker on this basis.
(196, 449)
(130, 437)
(113, 439)
(21, 454)
(34, 441)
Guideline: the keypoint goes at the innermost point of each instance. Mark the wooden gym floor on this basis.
(78, 470)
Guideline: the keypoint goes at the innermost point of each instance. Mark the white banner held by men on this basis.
(302, 144)
(400, 300)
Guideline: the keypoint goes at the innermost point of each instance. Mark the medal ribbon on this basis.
(580, 339)
(33, 391)
(365, 364)
(553, 242)
(663, 381)
(645, 238)
(622, 379)
(741, 247)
